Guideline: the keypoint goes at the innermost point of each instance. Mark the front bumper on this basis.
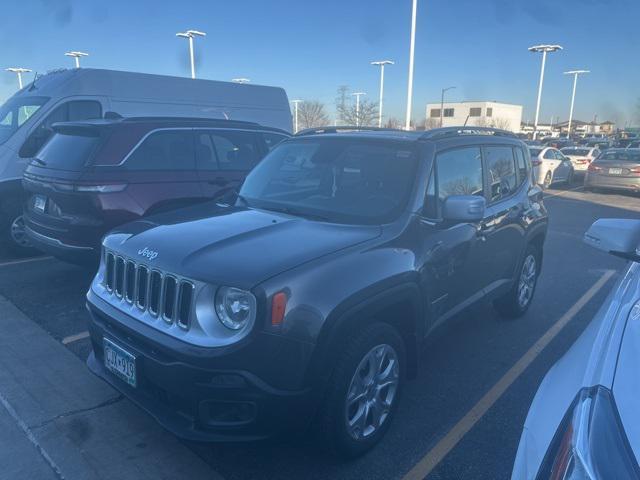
(202, 394)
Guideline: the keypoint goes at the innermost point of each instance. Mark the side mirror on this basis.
(618, 236)
(463, 208)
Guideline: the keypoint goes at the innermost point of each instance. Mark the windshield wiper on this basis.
(298, 213)
(37, 160)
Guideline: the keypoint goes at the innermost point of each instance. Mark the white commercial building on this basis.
(479, 114)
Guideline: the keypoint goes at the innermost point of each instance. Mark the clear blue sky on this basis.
(310, 48)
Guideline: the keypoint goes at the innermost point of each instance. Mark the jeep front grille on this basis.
(161, 294)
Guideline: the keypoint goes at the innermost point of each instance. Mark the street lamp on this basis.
(18, 71)
(190, 34)
(575, 74)
(407, 122)
(358, 95)
(76, 55)
(382, 64)
(544, 49)
(295, 107)
(241, 80)
(442, 102)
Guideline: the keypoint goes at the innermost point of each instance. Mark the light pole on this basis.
(575, 74)
(18, 71)
(358, 95)
(295, 115)
(544, 49)
(190, 34)
(442, 102)
(240, 80)
(76, 55)
(382, 64)
(414, 10)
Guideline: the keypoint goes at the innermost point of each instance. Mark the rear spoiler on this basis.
(78, 129)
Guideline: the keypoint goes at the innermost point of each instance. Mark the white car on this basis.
(584, 422)
(581, 157)
(550, 166)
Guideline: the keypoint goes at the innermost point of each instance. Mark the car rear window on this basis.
(620, 156)
(67, 152)
(535, 151)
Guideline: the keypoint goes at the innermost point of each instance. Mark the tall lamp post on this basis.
(358, 95)
(381, 64)
(18, 71)
(575, 74)
(414, 11)
(442, 102)
(295, 115)
(76, 55)
(544, 49)
(190, 34)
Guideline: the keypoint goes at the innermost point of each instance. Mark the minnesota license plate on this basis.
(615, 171)
(39, 203)
(120, 362)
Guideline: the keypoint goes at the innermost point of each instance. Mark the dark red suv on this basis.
(96, 174)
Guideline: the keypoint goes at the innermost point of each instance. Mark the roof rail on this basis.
(453, 131)
(343, 128)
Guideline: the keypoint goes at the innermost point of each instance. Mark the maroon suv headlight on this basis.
(590, 443)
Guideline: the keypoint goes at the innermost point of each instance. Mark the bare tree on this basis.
(431, 122)
(342, 99)
(393, 122)
(366, 114)
(501, 123)
(311, 113)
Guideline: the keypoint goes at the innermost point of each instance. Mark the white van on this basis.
(79, 94)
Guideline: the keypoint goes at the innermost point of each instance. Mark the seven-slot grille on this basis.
(161, 294)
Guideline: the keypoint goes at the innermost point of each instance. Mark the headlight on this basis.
(590, 443)
(235, 308)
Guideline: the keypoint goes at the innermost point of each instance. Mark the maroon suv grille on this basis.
(161, 294)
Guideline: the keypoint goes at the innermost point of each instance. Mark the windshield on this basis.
(535, 151)
(619, 156)
(575, 151)
(15, 112)
(67, 152)
(340, 180)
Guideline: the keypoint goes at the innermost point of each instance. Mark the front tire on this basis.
(12, 234)
(363, 392)
(518, 300)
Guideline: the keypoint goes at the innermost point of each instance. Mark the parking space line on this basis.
(24, 260)
(460, 429)
(75, 338)
(559, 194)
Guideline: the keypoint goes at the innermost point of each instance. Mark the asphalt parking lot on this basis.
(461, 418)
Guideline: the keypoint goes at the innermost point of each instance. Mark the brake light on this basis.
(536, 163)
(278, 306)
(634, 170)
(594, 168)
(582, 161)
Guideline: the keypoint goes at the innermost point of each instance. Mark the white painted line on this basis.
(460, 429)
(559, 194)
(75, 338)
(24, 260)
(31, 437)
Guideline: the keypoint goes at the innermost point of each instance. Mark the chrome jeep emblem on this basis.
(150, 254)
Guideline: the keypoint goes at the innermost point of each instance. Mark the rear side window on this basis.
(521, 164)
(272, 139)
(68, 152)
(164, 150)
(501, 171)
(235, 150)
(458, 172)
(549, 155)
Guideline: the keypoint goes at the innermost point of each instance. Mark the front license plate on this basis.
(39, 203)
(120, 362)
(615, 171)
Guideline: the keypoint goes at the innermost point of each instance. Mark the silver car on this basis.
(581, 157)
(616, 168)
(584, 422)
(550, 166)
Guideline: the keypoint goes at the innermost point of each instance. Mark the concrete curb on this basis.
(69, 423)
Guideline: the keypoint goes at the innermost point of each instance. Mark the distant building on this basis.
(479, 114)
(587, 128)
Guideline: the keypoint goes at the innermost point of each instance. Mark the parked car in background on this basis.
(615, 169)
(307, 302)
(26, 119)
(584, 421)
(558, 142)
(550, 166)
(599, 143)
(580, 157)
(634, 144)
(98, 174)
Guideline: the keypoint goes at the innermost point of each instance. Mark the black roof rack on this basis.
(453, 131)
(344, 128)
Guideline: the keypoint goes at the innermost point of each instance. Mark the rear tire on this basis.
(546, 183)
(357, 410)
(12, 234)
(517, 301)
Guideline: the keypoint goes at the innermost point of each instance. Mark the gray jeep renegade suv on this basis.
(305, 303)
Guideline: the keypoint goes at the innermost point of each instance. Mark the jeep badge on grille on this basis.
(150, 254)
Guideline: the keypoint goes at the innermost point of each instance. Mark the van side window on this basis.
(501, 171)
(235, 150)
(69, 111)
(272, 139)
(521, 164)
(458, 172)
(164, 150)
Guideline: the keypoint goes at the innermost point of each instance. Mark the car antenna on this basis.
(33, 84)
(466, 120)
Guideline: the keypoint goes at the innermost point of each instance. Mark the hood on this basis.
(231, 246)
